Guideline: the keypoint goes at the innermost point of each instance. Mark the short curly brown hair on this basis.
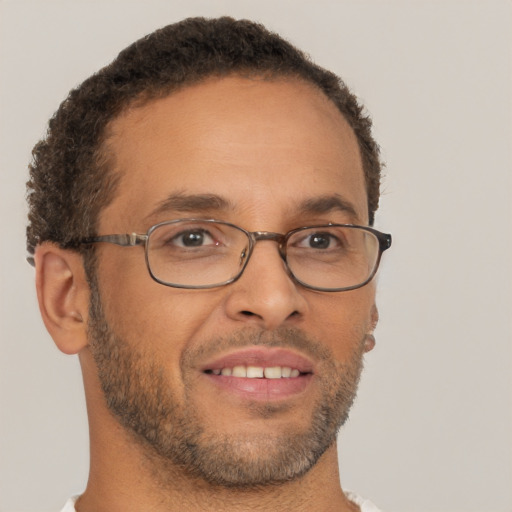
(70, 179)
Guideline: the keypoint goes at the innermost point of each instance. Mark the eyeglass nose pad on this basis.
(243, 256)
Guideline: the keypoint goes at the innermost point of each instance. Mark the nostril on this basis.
(247, 313)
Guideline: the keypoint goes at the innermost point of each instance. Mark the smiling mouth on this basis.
(260, 373)
(257, 372)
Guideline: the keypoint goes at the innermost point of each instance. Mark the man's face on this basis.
(267, 156)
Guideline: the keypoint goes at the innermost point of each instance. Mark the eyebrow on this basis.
(187, 203)
(327, 204)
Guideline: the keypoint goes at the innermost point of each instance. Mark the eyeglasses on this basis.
(198, 253)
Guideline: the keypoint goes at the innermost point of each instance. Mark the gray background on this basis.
(432, 428)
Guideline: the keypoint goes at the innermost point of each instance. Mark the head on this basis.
(208, 119)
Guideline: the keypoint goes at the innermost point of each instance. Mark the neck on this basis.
(130, 483)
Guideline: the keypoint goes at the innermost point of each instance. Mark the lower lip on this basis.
(262, 389)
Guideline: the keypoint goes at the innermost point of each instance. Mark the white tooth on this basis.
(239, 371)
(294, 373)
(254, 372)
(216, 371)
(273, 372)
(226, 371)
(286, 371)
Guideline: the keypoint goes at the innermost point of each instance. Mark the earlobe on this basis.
(63, 295)
(369, 340)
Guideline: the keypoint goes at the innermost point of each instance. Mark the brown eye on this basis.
(191, 239)
(320, 241)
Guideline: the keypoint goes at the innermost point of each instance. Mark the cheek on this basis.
(146, 314)
(341, 320)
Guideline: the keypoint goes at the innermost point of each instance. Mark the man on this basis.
(200, 216)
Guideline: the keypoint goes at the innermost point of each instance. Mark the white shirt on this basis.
(364, 505)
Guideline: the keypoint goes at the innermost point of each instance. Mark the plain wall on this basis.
(432, 428)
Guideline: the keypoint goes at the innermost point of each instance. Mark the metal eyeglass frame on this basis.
(133, 239)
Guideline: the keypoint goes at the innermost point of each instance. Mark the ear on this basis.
(369, 340)
(63, 295)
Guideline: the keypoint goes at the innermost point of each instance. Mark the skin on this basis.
(266, 147)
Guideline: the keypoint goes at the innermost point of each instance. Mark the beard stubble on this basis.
(174, 436)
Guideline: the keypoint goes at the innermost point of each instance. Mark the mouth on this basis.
(261, 373)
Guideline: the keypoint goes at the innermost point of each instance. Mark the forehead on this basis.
(263, 147)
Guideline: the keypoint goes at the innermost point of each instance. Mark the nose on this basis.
(265, 295)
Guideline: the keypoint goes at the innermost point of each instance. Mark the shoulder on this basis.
(364, 505)
(70, 505)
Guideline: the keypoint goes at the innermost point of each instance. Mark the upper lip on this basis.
(261, 356)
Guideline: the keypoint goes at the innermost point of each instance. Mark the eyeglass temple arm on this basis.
(127, 240)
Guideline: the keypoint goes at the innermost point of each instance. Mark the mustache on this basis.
(287, 338)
